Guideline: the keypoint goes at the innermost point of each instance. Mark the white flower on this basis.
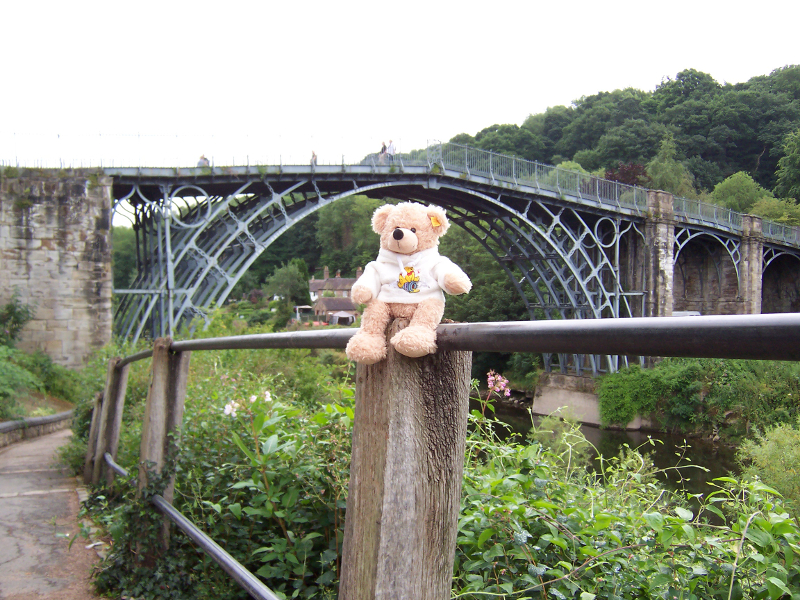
(252, 399)
(230, 408)
(267, 396)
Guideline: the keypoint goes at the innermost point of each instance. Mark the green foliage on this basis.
(729, 395)
(788, 174)
(717, 130)
(22, 373)
(290, 282)
(345, 236)
(14, 379)
(14, 315)
(262, 469)
(667, 174)
(123, 256)
(774, 456)
(534, 525)
(781, 211)
(739, 192)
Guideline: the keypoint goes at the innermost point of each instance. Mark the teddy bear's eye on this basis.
(413, 230)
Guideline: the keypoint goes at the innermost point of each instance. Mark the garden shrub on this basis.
(703, 394)
(774, 456)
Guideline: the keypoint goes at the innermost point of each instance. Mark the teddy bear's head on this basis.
(409, 227)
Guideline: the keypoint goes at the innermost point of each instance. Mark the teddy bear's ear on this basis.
(380, 217)
(438, 219)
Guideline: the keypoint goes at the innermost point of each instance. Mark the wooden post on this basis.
(163, 415)
(405, 476)
(110, 420)
(91, 445)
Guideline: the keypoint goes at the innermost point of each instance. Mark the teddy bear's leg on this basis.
(368, 346)
(419, 338)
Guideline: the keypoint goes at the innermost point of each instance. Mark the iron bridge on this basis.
(561, 237)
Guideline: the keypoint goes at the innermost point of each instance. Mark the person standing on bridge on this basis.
(313, 159)
(203, 162)
(390, 151)
(382, 155)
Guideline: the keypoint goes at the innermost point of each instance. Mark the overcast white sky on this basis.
(159, 83)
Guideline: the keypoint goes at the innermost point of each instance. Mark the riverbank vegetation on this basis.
(727, 398)
(31, 385)
(264, 466)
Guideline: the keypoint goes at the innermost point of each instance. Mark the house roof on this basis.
(332, 284)
(334, 304)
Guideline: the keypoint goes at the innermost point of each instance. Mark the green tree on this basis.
(345, 236)
(512, 140)
(689, 84)
(123, 256)
(290, 282)
(739, 192)
(635, 140)
(667, 174)
(550, 127)
(595, 115)
(788, 174)
(781, 211)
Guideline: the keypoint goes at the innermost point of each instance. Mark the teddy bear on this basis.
(406, 281)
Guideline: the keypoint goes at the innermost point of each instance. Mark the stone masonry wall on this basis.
(55, 249)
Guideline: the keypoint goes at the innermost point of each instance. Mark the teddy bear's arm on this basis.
(367, 286)
(451, 278)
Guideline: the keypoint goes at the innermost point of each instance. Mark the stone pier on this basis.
(55, 251)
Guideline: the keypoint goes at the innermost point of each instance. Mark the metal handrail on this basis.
(758, 337)
(249, 582)
(771, 336)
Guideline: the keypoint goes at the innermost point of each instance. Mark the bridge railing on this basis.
(713, 214)
(781, 233)
(519, 171)
(750, 336)
(611, 194)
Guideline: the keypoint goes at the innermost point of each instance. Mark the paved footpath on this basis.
(38, 505)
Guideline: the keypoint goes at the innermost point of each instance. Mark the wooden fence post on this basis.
(91, 445)
(163, 416)
(405, 476)
(110, 420)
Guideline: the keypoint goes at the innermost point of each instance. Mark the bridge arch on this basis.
(196, 245)
(706, 274)
(780, 287)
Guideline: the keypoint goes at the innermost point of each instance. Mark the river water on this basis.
(666, 452)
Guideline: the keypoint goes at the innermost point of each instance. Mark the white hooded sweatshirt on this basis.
(407, 278)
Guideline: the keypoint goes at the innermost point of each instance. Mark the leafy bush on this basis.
(285, 524)
(263, 469)
(14, 379)
(13, 317)
(726, 395)
(534, 527)
(774, 456)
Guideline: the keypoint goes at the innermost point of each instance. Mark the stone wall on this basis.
(55, 249)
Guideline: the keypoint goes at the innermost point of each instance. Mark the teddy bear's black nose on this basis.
(398, 234)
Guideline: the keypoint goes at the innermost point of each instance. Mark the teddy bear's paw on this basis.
(360, 294)
(457, 283)
(366, 348)
(415, 341)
